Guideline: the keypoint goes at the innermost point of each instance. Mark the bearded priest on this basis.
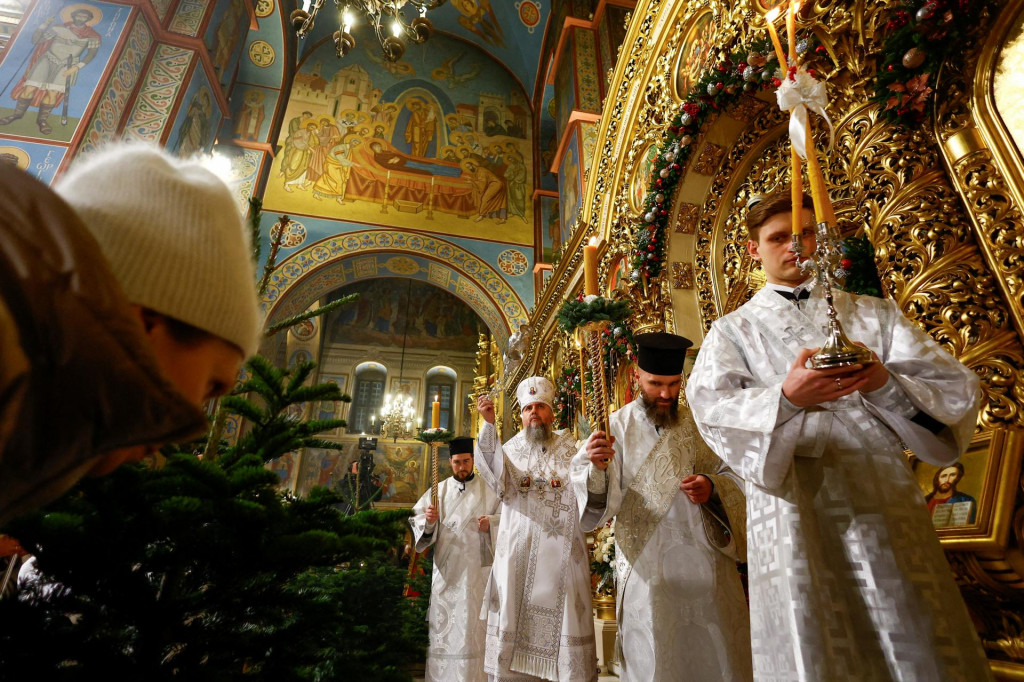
(539, 618)
(679, 530)
(462, 528)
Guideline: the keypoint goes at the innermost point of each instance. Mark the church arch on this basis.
(312, 272)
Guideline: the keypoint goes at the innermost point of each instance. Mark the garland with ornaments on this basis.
(920, 37)
(746, 70)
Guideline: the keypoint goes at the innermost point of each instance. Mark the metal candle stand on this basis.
(824, 263)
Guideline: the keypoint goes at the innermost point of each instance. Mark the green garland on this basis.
(921, 35)
(859, 265)
(748, 69)
(575, 314)
(435, 436)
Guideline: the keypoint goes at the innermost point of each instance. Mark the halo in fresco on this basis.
(97, 13)
(16, 156)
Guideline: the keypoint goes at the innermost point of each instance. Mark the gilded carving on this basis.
(709, 158)
(682, 275)
(686, 222)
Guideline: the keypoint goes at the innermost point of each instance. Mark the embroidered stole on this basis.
(678, 453)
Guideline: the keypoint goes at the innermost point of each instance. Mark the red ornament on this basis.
(776, 82)
(719, 85)
(820, 49)
(891, 68)
(846, 264)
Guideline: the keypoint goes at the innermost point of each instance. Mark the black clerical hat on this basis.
(661, 353)
(460, 446)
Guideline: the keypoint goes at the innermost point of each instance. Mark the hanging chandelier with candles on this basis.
(397, 416)
(385, 17)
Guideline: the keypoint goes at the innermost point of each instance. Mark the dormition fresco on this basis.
(45, 94)
(41, 160)
(436, 319)
(570, 186)
(438, 141)
(227, 27)
(198, 118)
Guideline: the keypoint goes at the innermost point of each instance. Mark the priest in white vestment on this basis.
(540, 622)
(680, 528)
(847, 578)
(461, 528)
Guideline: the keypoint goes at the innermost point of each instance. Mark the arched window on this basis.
(440, 383)
(367, 398)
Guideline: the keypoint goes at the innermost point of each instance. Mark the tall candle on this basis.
(797, 188)
(794, 7)
(435, 414)
(590, 267)
(770, 20)
(823, 212)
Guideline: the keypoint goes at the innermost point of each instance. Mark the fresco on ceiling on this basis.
(41, 160)
(228, 24)
(252, 110)
(438, 141)
(196, 125)
(477, 17)
(390, 312)
(570, 186)
(52, 70)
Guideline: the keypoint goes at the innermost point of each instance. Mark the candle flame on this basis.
(772, 15)
(593, 241)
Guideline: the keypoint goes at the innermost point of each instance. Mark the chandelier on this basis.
(397, 413)
(396, 416)
(385, 16)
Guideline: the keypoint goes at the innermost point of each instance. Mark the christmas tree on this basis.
(200, 569)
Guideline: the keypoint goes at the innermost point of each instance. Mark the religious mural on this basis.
(41, 160)
(196, 125)
(553, 236)
(390, 312)
(252, 111)
(52, 69)
(401, 471)
(222, 37)
(440, 141)
(570, 186)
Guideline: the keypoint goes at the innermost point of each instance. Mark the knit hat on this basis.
(173, 235)
(535, 390)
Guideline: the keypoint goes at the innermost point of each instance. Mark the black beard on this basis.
(463, 477)
(538, 433)
(660, 416)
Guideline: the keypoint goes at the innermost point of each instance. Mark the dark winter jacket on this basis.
(77, 376)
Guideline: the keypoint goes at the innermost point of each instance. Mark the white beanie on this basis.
(535, 390)
(173, 236)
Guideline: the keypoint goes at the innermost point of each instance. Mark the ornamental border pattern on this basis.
(103, 126)
(303, 263)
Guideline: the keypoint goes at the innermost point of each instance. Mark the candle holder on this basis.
(824, 263)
